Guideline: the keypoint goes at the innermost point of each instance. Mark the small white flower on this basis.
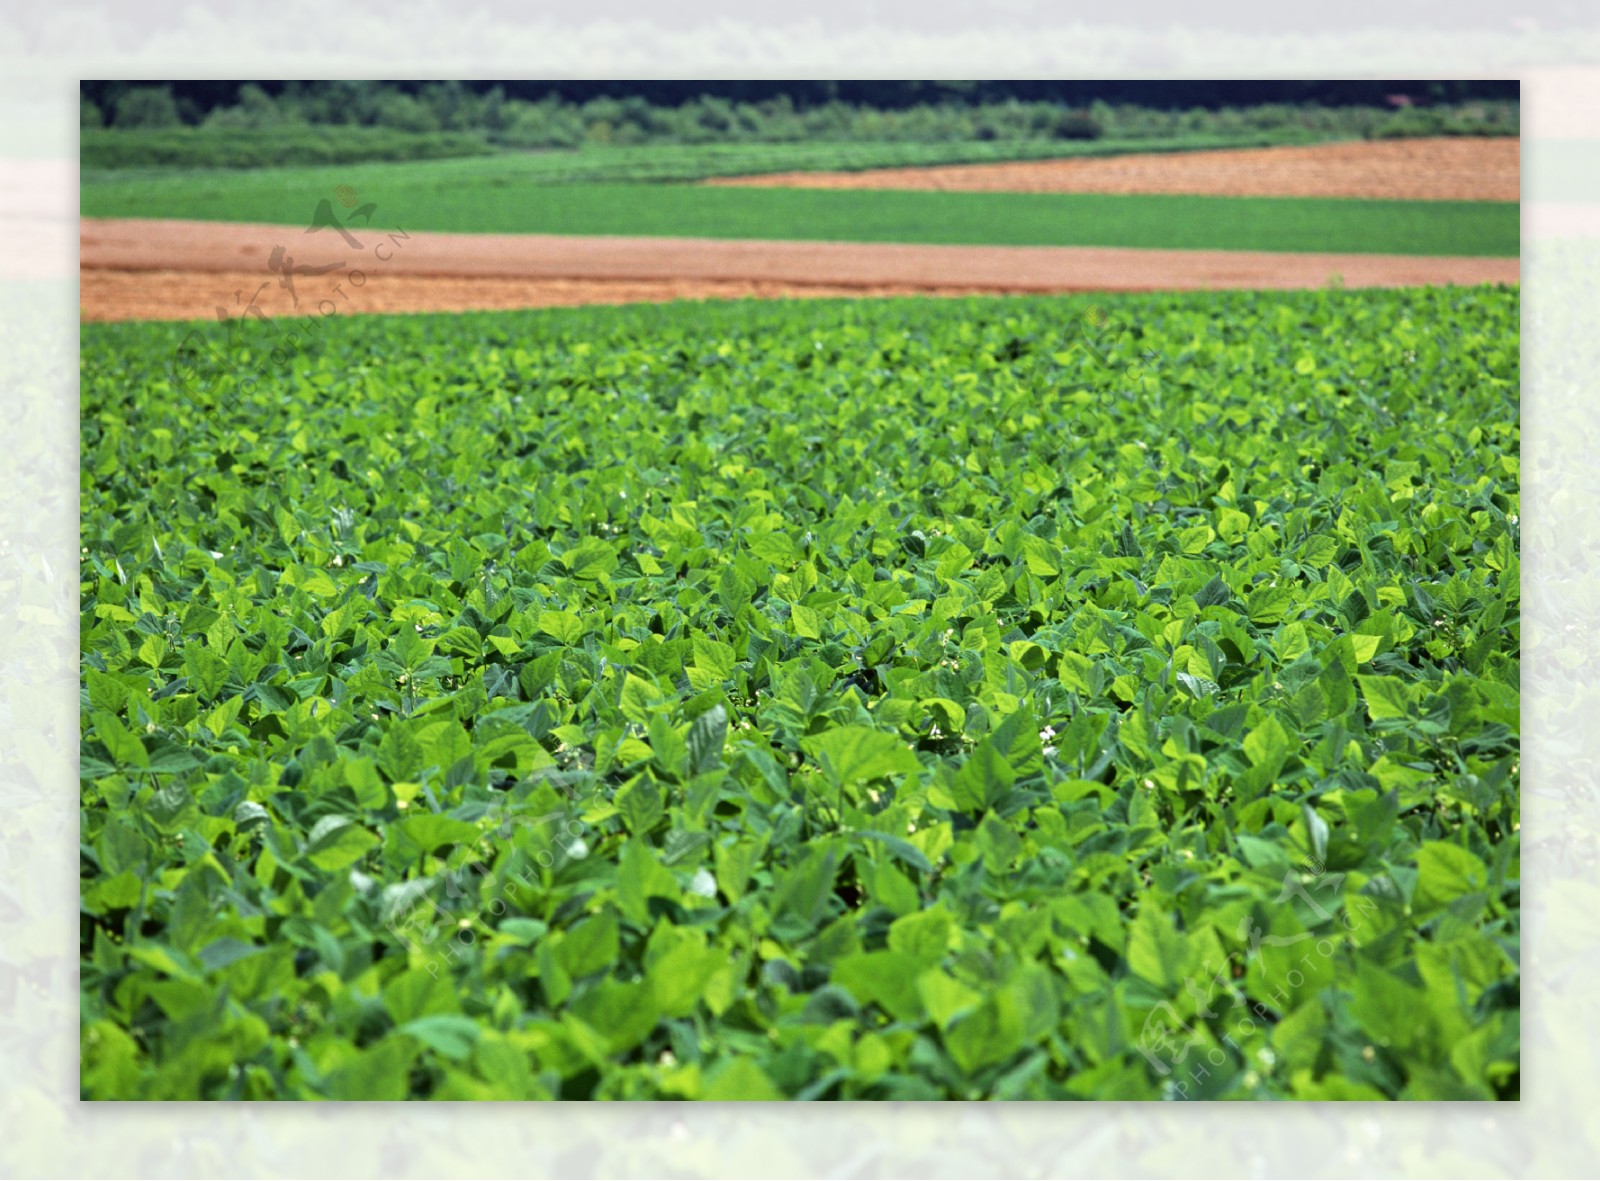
(1047, 734)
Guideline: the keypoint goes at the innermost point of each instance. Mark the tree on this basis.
(147, 106)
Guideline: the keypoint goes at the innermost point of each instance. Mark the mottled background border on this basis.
(1553, 47)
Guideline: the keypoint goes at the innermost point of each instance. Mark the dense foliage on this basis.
(135, 114)
(1007, 699)
(265, 147)
(747, 108)
(329, 101)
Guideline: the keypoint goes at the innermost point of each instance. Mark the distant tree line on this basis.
(558, 114)
(193, 100)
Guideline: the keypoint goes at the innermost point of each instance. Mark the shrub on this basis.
(219, 146)
(406, 113)
(146, 107)
(1075, 125)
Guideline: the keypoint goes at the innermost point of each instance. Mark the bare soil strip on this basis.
(194, 295)
(1414, 169)
(184, 270)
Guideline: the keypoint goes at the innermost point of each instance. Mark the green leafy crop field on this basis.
(492, 195)
(897, 700)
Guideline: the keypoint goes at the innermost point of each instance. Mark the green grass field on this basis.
(110, 154)
(904, 700)
(494, 195)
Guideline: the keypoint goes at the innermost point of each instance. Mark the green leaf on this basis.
(641, 877)
(563, 625)
(1386, 697)
(680, 977)
(400, 755)
(451, 1036)
(735, 863)
(1157, 950)
(982, 779)
(802, 893)
(852, 754)
(986, 1037)
(337, 842)
(707, 735)
(1268, 746)
(417, 992)
(887, 979)
(924, 936)
(946, 998)
(381, 1073)
(740, 1080)
(807, 623)
(902, 850)
(121, 744)
(428, 832)
(1446, 872)
(1215, 593)
(639, 699)
(622, 1013)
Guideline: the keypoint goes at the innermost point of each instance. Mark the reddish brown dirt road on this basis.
(185, 270)
(1414, 169)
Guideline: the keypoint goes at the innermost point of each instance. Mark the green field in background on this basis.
(496, 195)
(108, 155)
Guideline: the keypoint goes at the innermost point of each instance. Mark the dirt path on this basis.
(186, 270)
(1462, 169)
